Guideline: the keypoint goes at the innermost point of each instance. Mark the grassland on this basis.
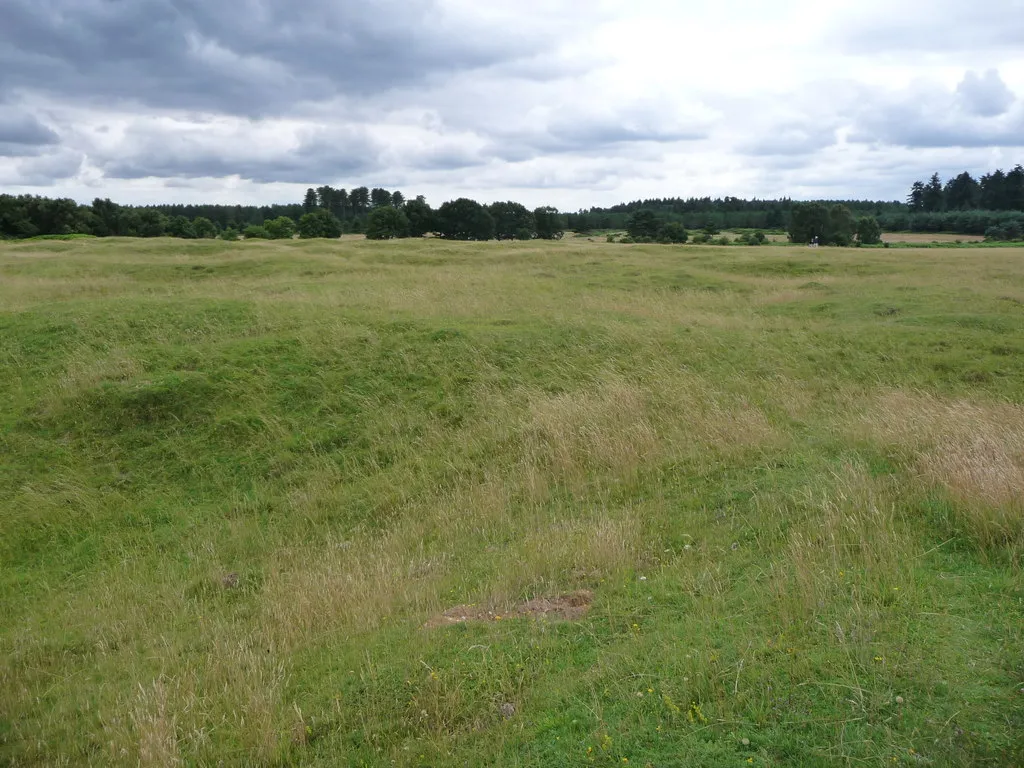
(930, 237)
(241, 481)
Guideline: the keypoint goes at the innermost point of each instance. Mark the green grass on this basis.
(239, 478)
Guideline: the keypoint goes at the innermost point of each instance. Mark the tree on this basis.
(962, 193)
(179, 226)
(204, 228)
(993, 190)
(386, 223)
(1015, 189)
(380, 197)
(281, 228)
(933, 198)
(868, 231)
(310, 202)
(420, 216)
(464, 219)
(107, 217)
(673, 232)
(643, 223)
(397, 199)
(915, 200)
(581, 222)
(510, 218)
(359, 200)
(809, 222)
(841, 226)
(150, 223)
(548, 223)
(341, 204)
(319, 223)
(324, 198)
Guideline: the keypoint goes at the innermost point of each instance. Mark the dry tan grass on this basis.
(156, 727)
(84, 371)
(973, 450)
(852, 549)
(607, 430)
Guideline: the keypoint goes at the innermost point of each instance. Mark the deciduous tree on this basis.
(386, 223)
(464, 219)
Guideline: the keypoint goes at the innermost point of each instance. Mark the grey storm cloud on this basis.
(982, 112)
(587, 134)
(319, 156)
(985, 95)
(45, 170)
(23, 134)
(249, 57)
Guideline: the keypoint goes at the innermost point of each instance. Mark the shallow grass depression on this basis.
(427, 503)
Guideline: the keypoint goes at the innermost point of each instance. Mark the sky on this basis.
(547, 102)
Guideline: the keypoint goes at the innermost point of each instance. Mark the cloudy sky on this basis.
(557, 102)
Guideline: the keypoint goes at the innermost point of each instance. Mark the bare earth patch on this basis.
(571, 607)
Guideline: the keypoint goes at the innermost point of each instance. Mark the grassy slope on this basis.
(791, 478)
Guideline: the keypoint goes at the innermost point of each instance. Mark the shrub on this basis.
(281, 228)
(204, 228)
(319, 223)
(255, 232)
(673, 232)
(723, 240)
(179, 226)
(611, 238)
(643, 223)
(230, 234)
(386, 222)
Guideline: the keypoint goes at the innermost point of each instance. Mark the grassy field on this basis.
(247, 489)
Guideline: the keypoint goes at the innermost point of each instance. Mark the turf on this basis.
(240, 482)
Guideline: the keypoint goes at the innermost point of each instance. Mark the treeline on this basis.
(992, 206)
(995, 191)
(30, 216)
(464, 219)
(714, 213)
(378, 213)
(994, 225)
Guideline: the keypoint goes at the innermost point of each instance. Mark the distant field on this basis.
(428, 503)
(927, 237)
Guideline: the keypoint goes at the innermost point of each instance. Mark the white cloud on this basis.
(547, 102)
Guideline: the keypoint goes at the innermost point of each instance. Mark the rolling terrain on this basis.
(526, 504)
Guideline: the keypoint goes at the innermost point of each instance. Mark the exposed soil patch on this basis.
(570, 607)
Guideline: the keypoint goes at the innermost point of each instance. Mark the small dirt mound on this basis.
(570, 607)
